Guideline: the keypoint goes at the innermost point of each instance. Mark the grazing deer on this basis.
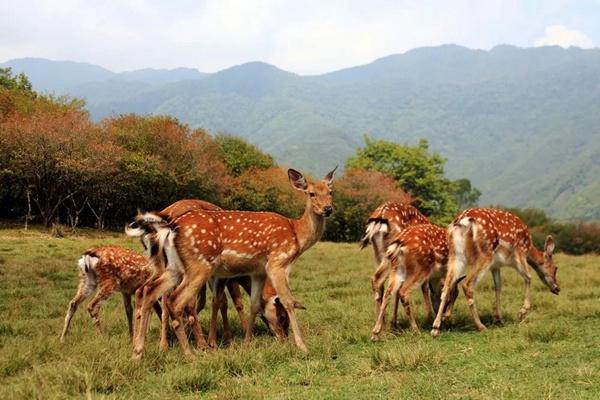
(417, 254)
(110, 268)
(487, 238)
(386, 221)
(201, 244)
(271, 311)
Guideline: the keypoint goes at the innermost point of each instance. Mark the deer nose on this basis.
(328, 210)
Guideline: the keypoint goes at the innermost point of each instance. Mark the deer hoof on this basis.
(435, 332)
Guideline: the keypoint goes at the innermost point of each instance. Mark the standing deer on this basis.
(386, 221)
(488, 238)
(110, 268)
(271, 311)
(417, 255)
(200, 244)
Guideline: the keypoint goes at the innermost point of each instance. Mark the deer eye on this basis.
(312, 194)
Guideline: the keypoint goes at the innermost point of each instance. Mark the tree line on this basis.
(59, 167)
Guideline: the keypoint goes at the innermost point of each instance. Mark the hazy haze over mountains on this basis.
(522, 124)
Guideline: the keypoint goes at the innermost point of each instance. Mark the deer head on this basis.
(319, 193)
(546, 269)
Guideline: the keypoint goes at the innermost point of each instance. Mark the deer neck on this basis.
(309, 228)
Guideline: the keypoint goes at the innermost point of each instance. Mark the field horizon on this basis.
(553, 353)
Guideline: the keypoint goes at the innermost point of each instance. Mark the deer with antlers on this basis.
(386, 221)
(200, 244)
(487, 238)
(417, 254)
(110, 268)
(272, 311)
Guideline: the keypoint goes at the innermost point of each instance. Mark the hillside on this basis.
(522, 124)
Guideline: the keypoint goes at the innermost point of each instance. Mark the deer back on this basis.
(424, 247)
(239, 240)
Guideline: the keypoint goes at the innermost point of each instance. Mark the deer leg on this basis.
(128, 313)
(192, 315)
(196, 276)
(404, 294)
(164, 324)
(480, 268)
(218, 289)
(84, 291)
(456, 267)
(224, 306)
(258, 283)
(394, 323)
(394, 283)
(236, 296)
(201, 299)
(427, 299)
(151, 293)
(523, 270)
(497, 289)
(278, 275)
(106, 289)
(377, 282)
(450, 304)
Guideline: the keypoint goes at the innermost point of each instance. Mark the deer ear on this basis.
(549, 245)
(329, 176)
(297, 180)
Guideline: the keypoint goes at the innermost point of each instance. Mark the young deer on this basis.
(273, 313)
(386, 221)
(201, 244)
(417, 255)
(488, 238)
(110, 268)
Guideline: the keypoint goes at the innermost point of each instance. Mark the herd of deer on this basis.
(193, 243)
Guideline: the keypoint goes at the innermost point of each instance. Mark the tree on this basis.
(465, 194)
(415, 170)
(239, 156)
(355, 195)
(15, 82)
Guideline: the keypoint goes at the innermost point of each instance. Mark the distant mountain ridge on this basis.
(522, 124)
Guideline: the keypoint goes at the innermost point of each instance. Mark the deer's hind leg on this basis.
(107, 287)
(84, 290)
(397, 277)
(197, 274)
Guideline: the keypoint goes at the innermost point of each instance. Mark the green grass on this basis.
(553, 353)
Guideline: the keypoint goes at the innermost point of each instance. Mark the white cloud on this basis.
(560, 35)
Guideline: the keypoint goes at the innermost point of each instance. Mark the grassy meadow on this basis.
(553, 353)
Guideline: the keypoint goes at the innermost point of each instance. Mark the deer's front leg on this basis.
(498, 290)
(524, 272)
(218, 289)
(277, 274)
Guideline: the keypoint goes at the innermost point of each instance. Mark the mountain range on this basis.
(523, 124)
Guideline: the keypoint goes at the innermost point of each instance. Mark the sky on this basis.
(305, 37)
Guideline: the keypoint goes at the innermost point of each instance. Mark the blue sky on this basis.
(306, 37)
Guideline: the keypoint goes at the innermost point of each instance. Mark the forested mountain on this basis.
(522, 124)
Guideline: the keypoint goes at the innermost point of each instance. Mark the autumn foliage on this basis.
(59, 167)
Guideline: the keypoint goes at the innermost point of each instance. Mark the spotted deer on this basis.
(200, 244)
(487, 238)
(386, 221)
(110, 268)
(271, 311)
(418, 255)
